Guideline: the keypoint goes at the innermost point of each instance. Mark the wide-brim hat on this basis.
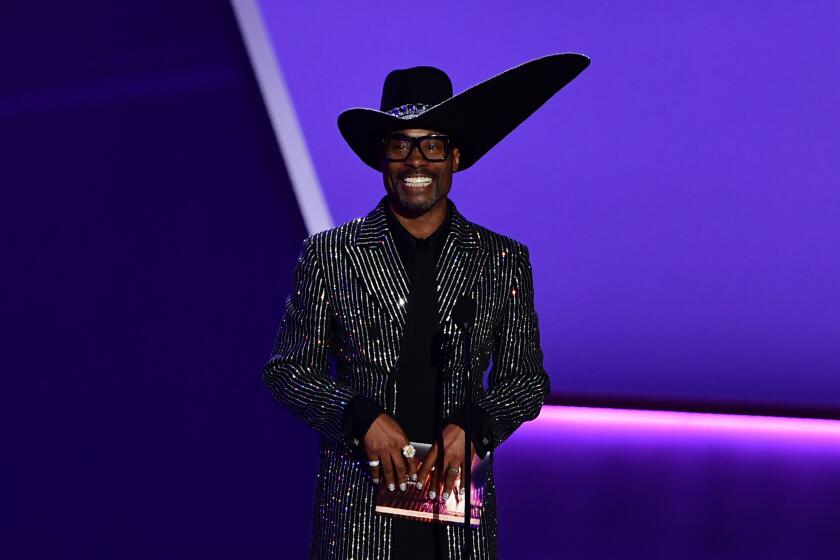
(478, 118)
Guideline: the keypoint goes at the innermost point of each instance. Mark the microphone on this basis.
(464, 312)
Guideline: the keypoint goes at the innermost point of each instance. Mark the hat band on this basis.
(409, 110)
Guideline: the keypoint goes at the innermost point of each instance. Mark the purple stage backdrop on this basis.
(151, 229)
(679, 198)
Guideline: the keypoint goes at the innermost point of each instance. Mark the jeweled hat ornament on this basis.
(478, 118)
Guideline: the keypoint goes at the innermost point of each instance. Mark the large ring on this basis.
(374, 463)
(408, 451)
(454, 469)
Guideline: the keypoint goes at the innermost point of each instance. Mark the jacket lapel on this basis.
(374, 257)
(459, 264)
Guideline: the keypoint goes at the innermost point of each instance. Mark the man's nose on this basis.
(415, 157)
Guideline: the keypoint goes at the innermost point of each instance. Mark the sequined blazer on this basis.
(349, 301)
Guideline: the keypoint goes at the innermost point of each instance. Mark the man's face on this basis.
(417, 185)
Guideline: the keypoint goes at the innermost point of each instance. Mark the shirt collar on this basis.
(402, 235)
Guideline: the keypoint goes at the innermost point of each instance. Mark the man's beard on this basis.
(417, 208)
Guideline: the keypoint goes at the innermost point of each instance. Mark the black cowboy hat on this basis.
(478, 118)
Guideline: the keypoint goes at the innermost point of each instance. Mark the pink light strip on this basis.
(689, 421)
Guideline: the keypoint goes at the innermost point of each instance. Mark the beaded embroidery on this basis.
(410, 110)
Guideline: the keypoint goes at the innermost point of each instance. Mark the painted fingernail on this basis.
(419, 485)
(403, 486)
(391, 487)
(432, 494)
(376, 481)
(413, 477)
(445, 496)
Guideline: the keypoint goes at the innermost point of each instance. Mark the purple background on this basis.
(149, 235)
(679, 198)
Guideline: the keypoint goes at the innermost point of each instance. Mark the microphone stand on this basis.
(464, 314)
(467, 474)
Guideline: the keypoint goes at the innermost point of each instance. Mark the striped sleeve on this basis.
(518, 383)
(296, 373)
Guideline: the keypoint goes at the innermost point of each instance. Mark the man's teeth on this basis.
(417, 181)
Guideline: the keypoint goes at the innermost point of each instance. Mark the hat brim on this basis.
(479, 117)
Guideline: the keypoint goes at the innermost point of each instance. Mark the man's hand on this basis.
(384, 441)
(448, 465)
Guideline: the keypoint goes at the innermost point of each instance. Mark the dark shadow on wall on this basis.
(149, 242)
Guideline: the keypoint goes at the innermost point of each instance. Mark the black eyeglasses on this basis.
(399, 146)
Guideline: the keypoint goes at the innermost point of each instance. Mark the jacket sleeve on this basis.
(518, 383)
(296, 373)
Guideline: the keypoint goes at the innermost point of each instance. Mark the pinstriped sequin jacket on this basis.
(349, 302)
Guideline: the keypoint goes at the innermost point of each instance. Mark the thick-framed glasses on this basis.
(399, 146)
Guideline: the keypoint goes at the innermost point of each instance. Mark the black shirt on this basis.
(418, 383)
(413, 384)
(418, 380)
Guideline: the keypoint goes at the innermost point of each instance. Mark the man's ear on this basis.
(456, 159)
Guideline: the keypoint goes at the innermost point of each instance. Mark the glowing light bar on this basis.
(637, 421)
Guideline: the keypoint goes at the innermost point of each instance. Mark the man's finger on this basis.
(374, 470)
(452, 473)
(440, 469)
(401, 464)
(426, 466)
(426, 476)
(397, 465)
(412, 473)
(387, 471)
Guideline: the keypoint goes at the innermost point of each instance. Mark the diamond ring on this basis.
(408, 451)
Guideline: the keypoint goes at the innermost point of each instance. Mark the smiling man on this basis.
(418, 180)
(377, 294)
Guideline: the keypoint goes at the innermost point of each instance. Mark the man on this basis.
(378, 295)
